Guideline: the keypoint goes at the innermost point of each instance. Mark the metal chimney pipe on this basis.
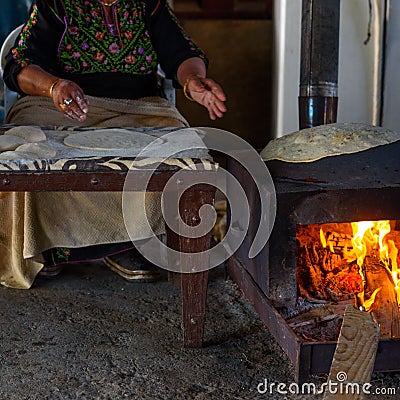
(318, 96)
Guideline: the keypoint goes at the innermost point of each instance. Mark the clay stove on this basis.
(316, 204)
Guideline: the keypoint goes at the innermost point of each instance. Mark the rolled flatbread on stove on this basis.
(312, 144)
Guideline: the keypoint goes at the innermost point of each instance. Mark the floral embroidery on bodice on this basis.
(94, 43)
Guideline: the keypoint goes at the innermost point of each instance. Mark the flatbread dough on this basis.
(10, 142)
(31, 134)
(322, 141)
(16, 155)
(38, 150)
(108, 139)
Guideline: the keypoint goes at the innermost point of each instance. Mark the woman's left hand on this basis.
(208, 93)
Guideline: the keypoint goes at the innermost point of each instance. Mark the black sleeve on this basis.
(172, 44)
(38, 41)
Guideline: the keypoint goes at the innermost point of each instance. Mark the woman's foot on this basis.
(132, 266)
(51, 271)
(121, 258)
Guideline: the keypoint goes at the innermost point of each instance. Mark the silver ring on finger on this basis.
(68, 101)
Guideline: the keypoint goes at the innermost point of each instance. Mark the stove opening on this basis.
(357, 261)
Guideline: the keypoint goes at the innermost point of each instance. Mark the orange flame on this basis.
(368, 236)
(322, 238)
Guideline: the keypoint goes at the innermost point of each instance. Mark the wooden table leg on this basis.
(194, 285)
(194, 294)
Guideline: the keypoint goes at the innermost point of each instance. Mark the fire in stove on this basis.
(355, 261)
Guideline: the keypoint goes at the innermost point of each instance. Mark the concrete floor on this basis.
(89, 334)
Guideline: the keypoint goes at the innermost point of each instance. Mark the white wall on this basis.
(359, 64)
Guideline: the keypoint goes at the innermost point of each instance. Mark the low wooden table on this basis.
(108, 173)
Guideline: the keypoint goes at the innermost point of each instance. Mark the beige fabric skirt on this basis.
(34, 222)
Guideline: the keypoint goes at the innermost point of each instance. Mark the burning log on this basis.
(385, 307)
(309, 274)
(324, 275)
(333, 265)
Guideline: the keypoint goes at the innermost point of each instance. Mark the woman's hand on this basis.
(191, 75)
(208, 93)
(69, 99)
(67, 96)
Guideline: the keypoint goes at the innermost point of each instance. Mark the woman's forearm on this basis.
(191, 67)
(35, 81)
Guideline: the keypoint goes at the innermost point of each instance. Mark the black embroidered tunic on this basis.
(117, 57)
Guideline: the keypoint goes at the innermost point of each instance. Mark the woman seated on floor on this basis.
(93, 63)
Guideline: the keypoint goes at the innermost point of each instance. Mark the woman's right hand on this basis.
(67, 96)
(69, 99)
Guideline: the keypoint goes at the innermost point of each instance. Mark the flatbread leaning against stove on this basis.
(322, 141)
(31, 134)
